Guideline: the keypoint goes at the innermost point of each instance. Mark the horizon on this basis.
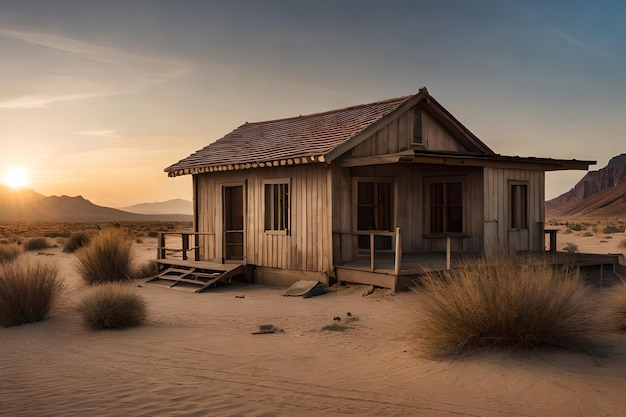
(104, 95)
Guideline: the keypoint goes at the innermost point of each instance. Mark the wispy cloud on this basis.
(579, 44)
(68, 69)
(102, 133)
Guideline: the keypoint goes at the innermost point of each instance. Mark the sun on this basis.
(15, 177)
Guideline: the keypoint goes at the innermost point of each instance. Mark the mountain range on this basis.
(175, 206)
(28, 205)
(598, 194)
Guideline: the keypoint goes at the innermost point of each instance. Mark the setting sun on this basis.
(15, 178)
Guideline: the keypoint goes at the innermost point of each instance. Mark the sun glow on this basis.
(15, 178)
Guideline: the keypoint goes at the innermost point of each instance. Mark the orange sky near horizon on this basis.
(99, 97)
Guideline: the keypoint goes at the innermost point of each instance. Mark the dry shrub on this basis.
(577, 227)
(611, 228)
(9, 252)
(112, 306)
(76, 241)
(622, 243)
(29, 289)
(107, 258)
(507, 302)
(148, 269)
(570, 247)
(617, 301)
(37, 243)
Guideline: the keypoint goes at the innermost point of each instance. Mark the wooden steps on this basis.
(194, 276)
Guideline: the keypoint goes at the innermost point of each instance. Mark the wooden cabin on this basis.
(364, 194)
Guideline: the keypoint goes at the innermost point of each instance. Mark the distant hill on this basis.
(28, 205)
(600, 193)
(176, 206)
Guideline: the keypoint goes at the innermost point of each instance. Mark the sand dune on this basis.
(196, 356)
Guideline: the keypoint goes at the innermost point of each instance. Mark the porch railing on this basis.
(396, 234)
(162, 249)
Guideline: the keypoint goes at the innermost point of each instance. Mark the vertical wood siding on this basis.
(497, 208)
(308, 245)
(411, 207)
(397, 136)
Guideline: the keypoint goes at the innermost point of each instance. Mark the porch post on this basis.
(196, 247)
(398, 259)
(447, 252)
(372, 252)
(185, 237)
(161, 248)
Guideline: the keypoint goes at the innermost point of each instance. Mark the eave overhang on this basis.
(471, 160)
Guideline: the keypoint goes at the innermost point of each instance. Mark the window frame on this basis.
(392, 201)
(271, 216)
(428, 181)
(522, 207)
(417, 141)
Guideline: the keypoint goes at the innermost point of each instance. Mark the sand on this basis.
(196, 356)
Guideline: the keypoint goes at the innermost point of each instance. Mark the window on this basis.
(374, 211)
(417, 127)
(277, 205)
(446, 207)
(519, 206)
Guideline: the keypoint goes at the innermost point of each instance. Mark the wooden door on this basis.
(233, 217)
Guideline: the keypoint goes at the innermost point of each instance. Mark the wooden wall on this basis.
(397, 136)
(411, 205)
(308, 245)
(498, 234)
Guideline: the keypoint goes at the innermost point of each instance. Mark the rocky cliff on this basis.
(599, 193)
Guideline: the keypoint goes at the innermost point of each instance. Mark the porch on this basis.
(389, 268)
(392, 268)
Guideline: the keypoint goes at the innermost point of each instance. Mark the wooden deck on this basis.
(598, 269)
(194, 276)
(413, 264)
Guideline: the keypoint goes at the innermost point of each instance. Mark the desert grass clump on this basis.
(76, 241)
(611, 228)
(622, 243)
(112, 305)
(37, 243)
(107, 258)
(570, 247)
(9, 252)
(504, 303)
(148, 269)
(29, 290)
(617, 303)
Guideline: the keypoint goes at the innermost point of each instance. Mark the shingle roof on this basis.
(303, 137)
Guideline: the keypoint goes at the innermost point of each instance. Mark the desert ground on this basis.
(196, 355)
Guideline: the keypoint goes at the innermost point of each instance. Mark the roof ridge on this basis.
(343, 109)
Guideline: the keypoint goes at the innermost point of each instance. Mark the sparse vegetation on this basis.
(9, 252)
(570, 247)
(622, 243)
(610, 228)
(112, 306)
(76, 241)
(507, 303)
(577, 227)
(587, 234)
(147, 269)
(29, 290)
(37, 243)
(617, 301)
(107, 258)
(152, 233)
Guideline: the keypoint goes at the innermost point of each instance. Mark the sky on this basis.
(98, 97)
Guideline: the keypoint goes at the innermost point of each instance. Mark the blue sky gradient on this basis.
(99, 96)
